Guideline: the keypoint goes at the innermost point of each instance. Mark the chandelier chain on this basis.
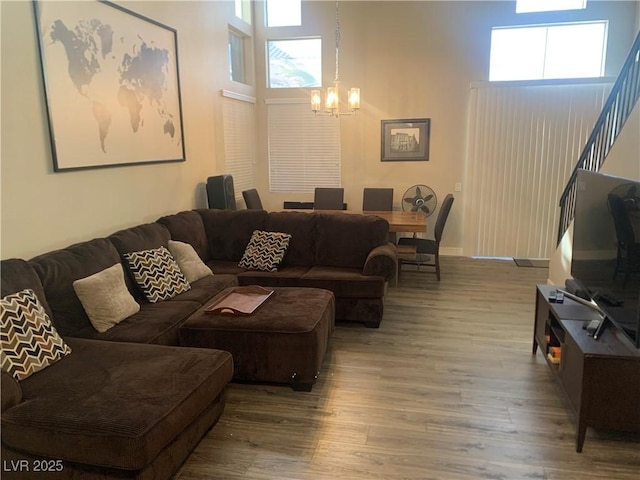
(337, 42)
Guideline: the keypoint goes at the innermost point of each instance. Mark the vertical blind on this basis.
(523, 144)
(238, 117)
(304, 150)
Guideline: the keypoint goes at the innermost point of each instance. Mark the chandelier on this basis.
(332, 103)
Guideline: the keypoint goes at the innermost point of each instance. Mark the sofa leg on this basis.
(302, 386)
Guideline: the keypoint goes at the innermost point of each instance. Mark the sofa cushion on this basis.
(229, 231)
(265, 251)
(105, 297)
(115, 404)
(344, 282)
(191, 265)
(225, 267)
(155, 323)
(203, 290)
(17, 274)
(141, 237)
(188, 227)
(29, 342)
(302, 227)
(284, 277)
(157, 274)
(345, 240)
(10, 390)
(59, 269)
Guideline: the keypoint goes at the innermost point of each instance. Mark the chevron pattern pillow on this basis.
(265, 251)
(157, 274)
(28, 340)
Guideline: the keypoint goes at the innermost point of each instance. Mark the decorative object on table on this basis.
(419, 198)
(111, 86)
(240, 300)
(405, 140)
(332, 104)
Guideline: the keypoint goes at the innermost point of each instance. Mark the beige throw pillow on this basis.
(190, 263)
(105, 298)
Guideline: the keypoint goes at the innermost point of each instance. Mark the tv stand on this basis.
(599, 377)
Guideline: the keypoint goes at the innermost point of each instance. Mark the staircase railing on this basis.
(623, 97)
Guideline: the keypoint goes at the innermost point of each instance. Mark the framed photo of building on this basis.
(111, 85)
(405, 140)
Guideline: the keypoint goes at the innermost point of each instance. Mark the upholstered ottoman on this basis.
(282, 341)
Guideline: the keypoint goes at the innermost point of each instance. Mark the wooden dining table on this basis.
(399, 221)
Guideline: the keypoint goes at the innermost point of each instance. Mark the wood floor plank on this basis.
(445, 389)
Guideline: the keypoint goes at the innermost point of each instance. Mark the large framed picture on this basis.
(405, 140)
(112, 85)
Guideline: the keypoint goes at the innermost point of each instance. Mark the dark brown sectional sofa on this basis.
(131, 402)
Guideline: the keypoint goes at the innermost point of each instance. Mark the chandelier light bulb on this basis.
(316, 100)
(354, 98)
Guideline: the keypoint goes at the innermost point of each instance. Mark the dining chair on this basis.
(427, 248)
(328, 199)
(252, 199)
(377, 199)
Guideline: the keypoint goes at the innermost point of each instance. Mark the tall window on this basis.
(573, 50)
(294, 63)
(304, 150)
(243, 10)
(284, 13)
(237, 56)
(239, 141)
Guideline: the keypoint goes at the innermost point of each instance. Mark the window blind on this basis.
(239, 141)
(304, 150)
(523, 144)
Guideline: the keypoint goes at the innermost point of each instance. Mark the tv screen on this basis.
(606, 247)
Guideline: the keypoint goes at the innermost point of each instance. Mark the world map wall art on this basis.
(111, 84)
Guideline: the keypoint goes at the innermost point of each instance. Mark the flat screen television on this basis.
(606, 247)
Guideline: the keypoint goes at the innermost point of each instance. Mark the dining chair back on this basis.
(328, 199)
(377, 199)
(252, 199)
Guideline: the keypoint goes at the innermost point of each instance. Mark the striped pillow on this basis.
(157, 274)
(28, 340)
(265, 251)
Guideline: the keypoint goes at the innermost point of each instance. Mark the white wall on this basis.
(43, 210)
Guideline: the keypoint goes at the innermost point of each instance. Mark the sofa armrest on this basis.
(382, 261)
(11, 391)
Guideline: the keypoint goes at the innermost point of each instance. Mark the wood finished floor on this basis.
(447, 388)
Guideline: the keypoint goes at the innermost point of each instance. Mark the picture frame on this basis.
(111, 86)
(405, 140)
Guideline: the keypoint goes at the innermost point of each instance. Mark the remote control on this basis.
(591, 326)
